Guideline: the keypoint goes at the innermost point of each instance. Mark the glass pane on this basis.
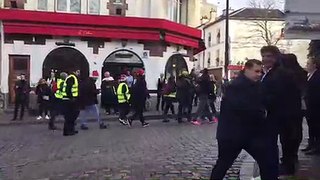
(62, 5)
(94, 7)
(42, 5)
(75, 6)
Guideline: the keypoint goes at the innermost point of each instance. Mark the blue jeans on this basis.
(93, 109)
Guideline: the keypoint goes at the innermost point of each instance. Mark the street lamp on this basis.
(226, 50)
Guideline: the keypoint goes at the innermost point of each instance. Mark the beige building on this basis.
(246, 36)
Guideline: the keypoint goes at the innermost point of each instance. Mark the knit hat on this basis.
(140, 72)
(123, 78)
(95, 74)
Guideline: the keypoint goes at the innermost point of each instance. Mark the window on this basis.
(62, 5)
(209, 39)
(118, 1)
(69, 5)
(217, 57)
(218, 37)
(209, 59)
(94, 6)
(119, 11)
(42, 5)
(174, 7)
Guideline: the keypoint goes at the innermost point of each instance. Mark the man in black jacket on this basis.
(313, 106)
(22, 90)
(241, 124)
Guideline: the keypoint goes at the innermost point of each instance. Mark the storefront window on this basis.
(94, 6)
(42, 4)
(69, 5)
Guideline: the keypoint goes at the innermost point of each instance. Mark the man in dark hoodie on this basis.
(139, 94)
(184, 96)
(241, 124)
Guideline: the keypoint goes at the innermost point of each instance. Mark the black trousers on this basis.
(43, 108)
(56, 109)
(313, 120)
(124, 109)
(290, 138)
(160, 101)
(19, 104)
(168, 106)
(256, 147)
(184, 110)
(138, 112)
(71, 113)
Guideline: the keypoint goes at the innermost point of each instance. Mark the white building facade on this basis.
(40, 36)
(246, 40)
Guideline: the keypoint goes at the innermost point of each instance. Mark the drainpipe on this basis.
(3, 103)
(187, 12)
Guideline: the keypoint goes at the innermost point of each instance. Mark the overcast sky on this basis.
(234, 4)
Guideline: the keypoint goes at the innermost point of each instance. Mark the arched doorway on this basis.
(61, 59)
(175, 65)
(120, 61)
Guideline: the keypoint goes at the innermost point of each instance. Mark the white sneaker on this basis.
(47, 117)
(39, 117)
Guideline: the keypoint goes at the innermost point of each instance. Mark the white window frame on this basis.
(88, 10)
(68, 7)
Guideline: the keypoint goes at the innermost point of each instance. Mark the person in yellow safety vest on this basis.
(70, 93)
(123, 95)
(57, 101)
(169, 96)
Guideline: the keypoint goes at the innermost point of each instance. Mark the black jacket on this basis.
(88, 93)
(70, 82)
(108, 93)
(43, 91)
(204, 85)
(313, 93)
(242, 110)
(22, 90)
(139, 92)
(184, 90)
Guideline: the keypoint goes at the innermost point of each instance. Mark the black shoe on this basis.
(14, 119)
(166, 120)
(145, 124)
(103, 126)
(314, 151)
(69, 133)
(84, 127)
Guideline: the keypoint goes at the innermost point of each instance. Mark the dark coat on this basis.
(184, 90)
(88, 93)
(22, 90)
(242, 110)
(139, 92)
(313, 94)
(160, 85)
(43, 91)
(204, 85)
(108, 93)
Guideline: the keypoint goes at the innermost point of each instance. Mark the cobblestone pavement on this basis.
(159, 152)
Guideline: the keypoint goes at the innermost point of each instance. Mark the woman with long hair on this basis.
(295, 79)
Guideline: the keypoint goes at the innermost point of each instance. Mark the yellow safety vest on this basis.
(171, 95)
(58, 93)
(75, 87)
(121, 98)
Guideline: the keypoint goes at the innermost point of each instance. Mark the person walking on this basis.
(212, 97)
(88, 101)
(169, 96)
(70, 93)
(130, 79)
(124, 96)
(203, 89)
(241, 124)
(108, 94)
(21, 90)
(56, 102)
(295, 80)
(138, 99)
(43, 92)
(313, 103)
(184, 96)
(160, 86)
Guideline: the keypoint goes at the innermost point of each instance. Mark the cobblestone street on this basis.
(162, 151)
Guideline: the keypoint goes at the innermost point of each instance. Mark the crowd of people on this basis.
(264, 104)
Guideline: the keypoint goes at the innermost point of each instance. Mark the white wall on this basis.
(154, 65)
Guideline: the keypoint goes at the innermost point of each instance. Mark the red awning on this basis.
(83, 31)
